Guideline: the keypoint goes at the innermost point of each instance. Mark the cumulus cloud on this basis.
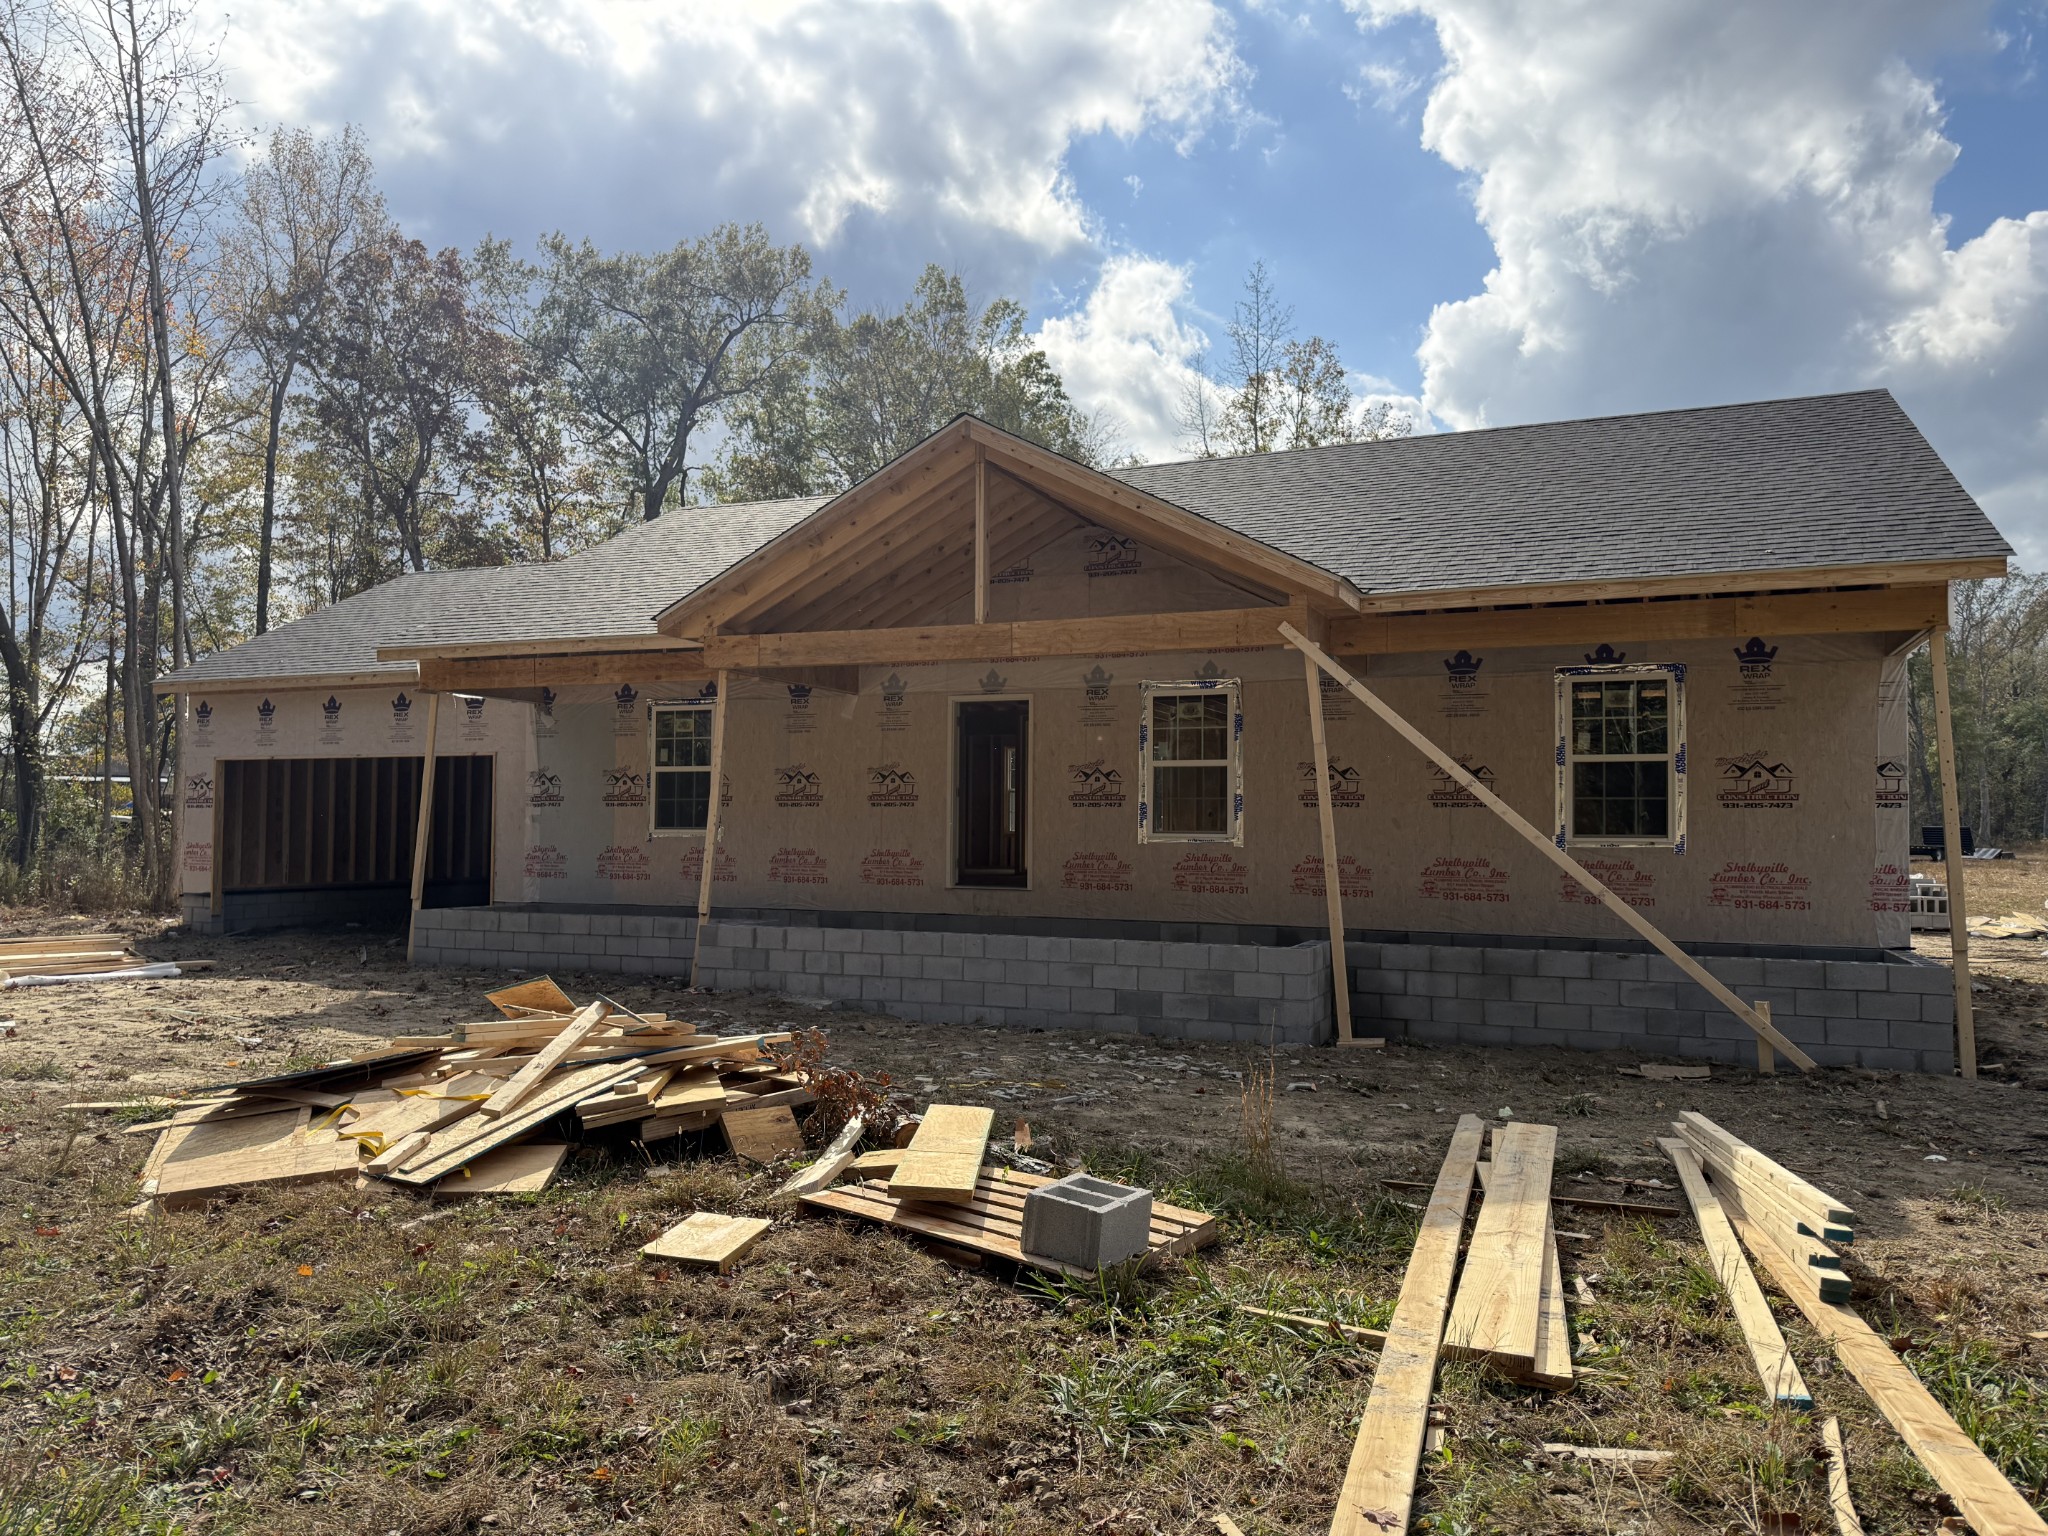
(1725, 199)
(1129, 355)
(940, 126)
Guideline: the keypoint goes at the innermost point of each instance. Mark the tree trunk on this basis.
(278, 390)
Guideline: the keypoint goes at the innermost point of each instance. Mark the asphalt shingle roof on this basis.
(1774, 485)
(1825, 480)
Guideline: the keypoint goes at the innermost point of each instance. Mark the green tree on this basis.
(870, 387)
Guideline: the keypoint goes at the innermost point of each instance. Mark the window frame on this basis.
(1231, 688)
(1675, 753)
(705, 707)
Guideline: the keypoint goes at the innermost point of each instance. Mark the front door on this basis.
(992, 792)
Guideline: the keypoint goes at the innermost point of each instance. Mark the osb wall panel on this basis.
(347, 722)
(839, 801)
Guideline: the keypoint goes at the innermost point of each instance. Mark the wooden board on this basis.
(1498, 1312)
(993, 1222)
(1826, 1283)
(261, 1150)
(1379, 1483)
(527, 1079)
(1990, 1503)
(943, 1161)
(466, 1140)
(1716, 1144)
(540, 995)
(831, 1163)
(1760, 1331)
(883, 1161)
(1552, 1366)
(706, 1240)
(522, 1170)
(1847, 1522)
(762, 1135)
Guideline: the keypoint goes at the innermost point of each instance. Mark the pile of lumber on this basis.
(488, 1106)
(1509, 1309)
(1786, 1224)
(81, 957)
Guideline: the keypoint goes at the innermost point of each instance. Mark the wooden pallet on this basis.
(993, 1222)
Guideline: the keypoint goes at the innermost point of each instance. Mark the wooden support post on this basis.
(423, 828)
(1462, 776)
(980, 535)
(1333, 885)
(1952, 856)
(1766, 1058)
(709, 873)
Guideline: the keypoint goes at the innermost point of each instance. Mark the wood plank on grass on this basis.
(528, 1078)
(1760, 1331)
(706, 1240)
(1499, 1308)
(1716, 1143)
(831, 1163)
(262, 1150)
(522, 1170)
(943, 1161)
(1988, 1501)
(1379, 1483)
(466, 1140)
(762, 1135)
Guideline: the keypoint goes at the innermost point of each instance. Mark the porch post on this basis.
(980, 535)
(1333, 886)
(424, 828)
(1952, 855)
(710, 870)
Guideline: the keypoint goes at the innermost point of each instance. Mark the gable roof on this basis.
(1825, 482)
(1773, 485)
(611, 589)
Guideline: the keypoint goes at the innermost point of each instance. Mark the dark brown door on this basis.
(993, 793)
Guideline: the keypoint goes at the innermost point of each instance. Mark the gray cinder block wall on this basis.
(1895, 1013)
(507, 938)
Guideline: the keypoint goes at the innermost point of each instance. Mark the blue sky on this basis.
(1499, 210)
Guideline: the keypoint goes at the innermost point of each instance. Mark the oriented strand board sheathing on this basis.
(762, 1135)
(943, 1161)
(522, 1170)
(707, 1240)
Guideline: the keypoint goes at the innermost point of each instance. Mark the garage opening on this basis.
(321, 839)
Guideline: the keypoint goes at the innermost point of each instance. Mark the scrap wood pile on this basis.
(485, 1107)
(1505, 1305)
(82, 957)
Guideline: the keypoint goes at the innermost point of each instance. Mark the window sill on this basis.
(669, 832)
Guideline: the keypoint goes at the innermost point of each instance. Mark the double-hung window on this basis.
(682, 767)
(1621, 755)
(1193, 763)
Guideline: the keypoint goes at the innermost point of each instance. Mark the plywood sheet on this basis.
(943, 1160)
(522, 1170)
(528, 997)
(761, 1135)
(707, 1240)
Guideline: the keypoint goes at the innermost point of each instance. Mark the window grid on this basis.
(1191, 736)
(681, 769)
(1621, 756)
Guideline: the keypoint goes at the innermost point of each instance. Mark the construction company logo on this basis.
(1449, 794)
(624, 789)
(266, 723)
(1095, 786)
(1099, 872)
(1097, 707)
(1753, 781)
(1464, 696)
(1891, 784)
(1464, 880)
(725, 869)
(543, 789)
(1013, 575)
(894, 714)
(797, 866)
(199, 792)
(1211, 874)
(1108, 553)
(1344, 783)
(625, 863)
(1890, 890)
(1760, 888)
(198, 859)
(544, 861)
(992, 681)
(894, 867)
(1632, 885)
(1605, 656)
(797, 788)
(1354, 880)
(892, 787)
(800, 721)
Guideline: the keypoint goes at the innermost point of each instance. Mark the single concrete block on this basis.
(1087, 1222)
(1536, 989)
(1563, 962)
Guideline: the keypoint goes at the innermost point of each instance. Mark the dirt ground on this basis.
(320, 1360)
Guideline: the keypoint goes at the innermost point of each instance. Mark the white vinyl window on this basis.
(1621, 756)
(681, 770)
(1190, 740)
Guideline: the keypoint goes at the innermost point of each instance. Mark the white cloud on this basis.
(1128, 354)
(1724, 199)
(946, 120)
